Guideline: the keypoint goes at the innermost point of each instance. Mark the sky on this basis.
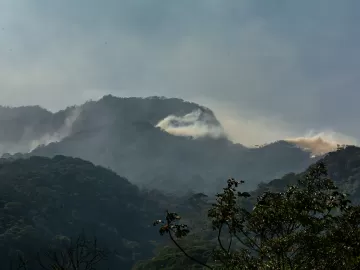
(269, 69)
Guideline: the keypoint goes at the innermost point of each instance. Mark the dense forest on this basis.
(44, 201)
(51, 201)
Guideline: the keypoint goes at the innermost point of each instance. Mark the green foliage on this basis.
(46, 201)
(310, 225)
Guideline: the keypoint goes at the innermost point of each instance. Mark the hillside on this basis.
(44, 199)
(122, 133)
(343, 168)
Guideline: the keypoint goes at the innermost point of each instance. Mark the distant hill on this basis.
(343, 167)
(43, 200)
(122, 133)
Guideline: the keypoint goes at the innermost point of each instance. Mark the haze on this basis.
(269, 69)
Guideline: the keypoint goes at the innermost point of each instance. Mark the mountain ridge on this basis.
(124, 134)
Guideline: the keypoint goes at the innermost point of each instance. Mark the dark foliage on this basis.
(48, 201)
(78, 254)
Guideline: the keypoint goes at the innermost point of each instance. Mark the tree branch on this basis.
(186, 254)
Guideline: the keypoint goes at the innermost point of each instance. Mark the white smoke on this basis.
(322, 142)
(194, 124)
(63, 132)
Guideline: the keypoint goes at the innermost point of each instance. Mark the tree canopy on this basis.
(309, 225)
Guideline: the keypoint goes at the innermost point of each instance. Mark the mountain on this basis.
(43, 200)
(163, 143)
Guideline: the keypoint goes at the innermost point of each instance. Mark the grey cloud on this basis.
(278, 68)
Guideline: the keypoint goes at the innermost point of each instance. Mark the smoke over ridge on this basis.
(195, 124)
(63, 132)
(26, 145)
(322, 142)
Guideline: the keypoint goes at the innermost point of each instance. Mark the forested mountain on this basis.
(47, 201)
(122, 134)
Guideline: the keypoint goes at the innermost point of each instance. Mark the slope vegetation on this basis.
(43, 200)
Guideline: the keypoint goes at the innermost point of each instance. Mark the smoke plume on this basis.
(63, 132)
(196, 124)
(323, 142)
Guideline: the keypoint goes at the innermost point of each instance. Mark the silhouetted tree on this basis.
(311, 225)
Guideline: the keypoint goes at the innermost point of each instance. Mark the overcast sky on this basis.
(269, 69)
